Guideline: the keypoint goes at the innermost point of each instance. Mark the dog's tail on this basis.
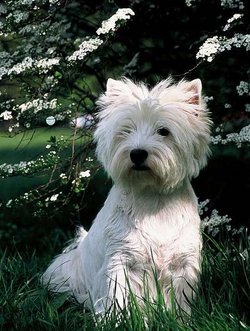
(81, 233)
(64, 274)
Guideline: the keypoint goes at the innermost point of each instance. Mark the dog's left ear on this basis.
(194, 88)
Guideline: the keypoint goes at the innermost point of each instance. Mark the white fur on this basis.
(149, 226)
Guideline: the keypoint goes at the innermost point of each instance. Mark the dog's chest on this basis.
(152, 239)
(145, 236)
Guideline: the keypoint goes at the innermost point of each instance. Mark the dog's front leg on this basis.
(183, 285)
(110, 290)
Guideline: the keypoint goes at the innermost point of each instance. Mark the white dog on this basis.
(151, 142)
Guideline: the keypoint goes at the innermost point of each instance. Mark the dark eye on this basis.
(163, 132)
(126, 131)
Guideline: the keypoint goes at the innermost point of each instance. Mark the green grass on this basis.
(29, 143)
(222, 303)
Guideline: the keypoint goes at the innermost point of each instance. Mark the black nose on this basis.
(138, 156)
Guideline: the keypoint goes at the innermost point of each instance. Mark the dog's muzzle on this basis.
(138, 157)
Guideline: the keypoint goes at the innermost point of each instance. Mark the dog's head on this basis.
(152, 137)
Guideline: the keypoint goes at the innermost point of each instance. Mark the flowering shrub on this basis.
(227, 40)
(214, 223)
(45, 54)
(43, 60)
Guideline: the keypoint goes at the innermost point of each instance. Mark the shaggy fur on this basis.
(150, 142)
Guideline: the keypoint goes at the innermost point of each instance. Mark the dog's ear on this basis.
(194, 88)
(114, 87)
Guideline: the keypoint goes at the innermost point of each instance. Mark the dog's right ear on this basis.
(112, 96)
(111, 83)
(114, 87)
(118, 93)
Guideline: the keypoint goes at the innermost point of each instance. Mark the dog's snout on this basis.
(138, 156)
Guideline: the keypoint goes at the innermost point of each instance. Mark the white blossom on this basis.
(208, 98)
(247, 107)
(26, 64)
(53, 2)
(28, 167)
(110, 24)
(59, 117)
(43, 65)
(243, 88)
(237, 138)
(38, 104)
(7, 115)
(213, 223)
(27, 2)
(216, 45)
(239, 4)
(189, 2)
(202, 206)
(18, 16)
(231, 20)
(233, 4)
(91, 44)
(84, 174)
(228, 106)
(86, 47)
(63, 176)
(46, 64)
(209, 48)
(8, 204)
(54, 197)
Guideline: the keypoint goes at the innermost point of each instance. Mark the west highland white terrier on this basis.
(151, 142)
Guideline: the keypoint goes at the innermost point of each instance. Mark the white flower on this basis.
(59, 117)
(7, 115)
(232, 4)
(238, 138)
(110, 24)
(209, 48)
(48, 146)
(86, 47)
(38, 104)
(189, 2)
(213, 223)
(45, 64)
(216, 45)
(84, 174)
(247, 107)
(230, 20)
(243, 88)
(9, 203)
(208, 98)
(54, 197)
